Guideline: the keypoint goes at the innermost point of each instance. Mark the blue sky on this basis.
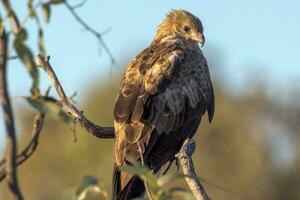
(261, 37)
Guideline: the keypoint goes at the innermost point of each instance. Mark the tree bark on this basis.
(72, 110)
(11, 146)
(186, 162)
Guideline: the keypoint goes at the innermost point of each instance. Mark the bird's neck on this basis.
(162, 35)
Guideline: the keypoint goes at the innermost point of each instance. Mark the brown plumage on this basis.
(165, 91)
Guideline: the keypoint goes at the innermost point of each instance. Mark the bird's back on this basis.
(164, 93)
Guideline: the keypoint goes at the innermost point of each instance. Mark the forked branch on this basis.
(38, 123)
(87, 27)
(75, 113)
(31, 146)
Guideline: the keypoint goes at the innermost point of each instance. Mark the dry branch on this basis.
(38, 123)
(80, 4)
(11, 144)
(31, 146)
(75, 113)
(87, 27)
(186, 162)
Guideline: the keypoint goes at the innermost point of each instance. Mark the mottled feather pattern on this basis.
(168, 104)
(134, 95)
(164, 93)
(174, 103)
(164, 89)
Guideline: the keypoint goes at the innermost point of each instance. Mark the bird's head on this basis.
(184, 24)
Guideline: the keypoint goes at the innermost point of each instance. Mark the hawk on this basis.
(165, 91)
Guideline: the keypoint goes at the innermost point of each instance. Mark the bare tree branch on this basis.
(27, 152)
(75, 113)
(185, 159)
(92, 31)
(32, 145)
(11, 145)
(12, 57)
(79, 4)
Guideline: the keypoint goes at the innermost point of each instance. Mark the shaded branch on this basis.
(11, 144)
(92, 31)
(186, 162)
(27, 152)
(75, 113)
(31, 146)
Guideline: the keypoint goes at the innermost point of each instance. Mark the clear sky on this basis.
(255, 36)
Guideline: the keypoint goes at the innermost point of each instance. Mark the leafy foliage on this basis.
(26, 56)
(46, 8)
(90, 190)
(155, 185)
(49, 106)
(46, 11)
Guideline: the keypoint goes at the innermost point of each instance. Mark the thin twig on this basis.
(185, 159)
(37, 5)
(11, 144)
(79, 4)
(75, 113)
(73, 131)
(12, 57)
(92, 31)
(32, 145)
(28, 151)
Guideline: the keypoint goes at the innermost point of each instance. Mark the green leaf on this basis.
(21, 36)
(140, 171)
(31, 8)
(168, 178)
(144, 173)
(46, 11)
(27, 59)
(90, 190)
(175, 192)
(86, 182)
(50, 107)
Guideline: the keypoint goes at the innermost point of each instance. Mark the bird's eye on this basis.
(186, 29)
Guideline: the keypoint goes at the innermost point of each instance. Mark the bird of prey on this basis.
(165, 91)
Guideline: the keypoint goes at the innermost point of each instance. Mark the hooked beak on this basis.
(201, 39)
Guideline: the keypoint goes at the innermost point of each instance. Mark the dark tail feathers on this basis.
(135, 187)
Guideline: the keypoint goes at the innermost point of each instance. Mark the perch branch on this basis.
(11, 144)
(185, 159)
(75, 113)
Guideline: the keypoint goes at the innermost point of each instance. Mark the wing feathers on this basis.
(165, 88)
